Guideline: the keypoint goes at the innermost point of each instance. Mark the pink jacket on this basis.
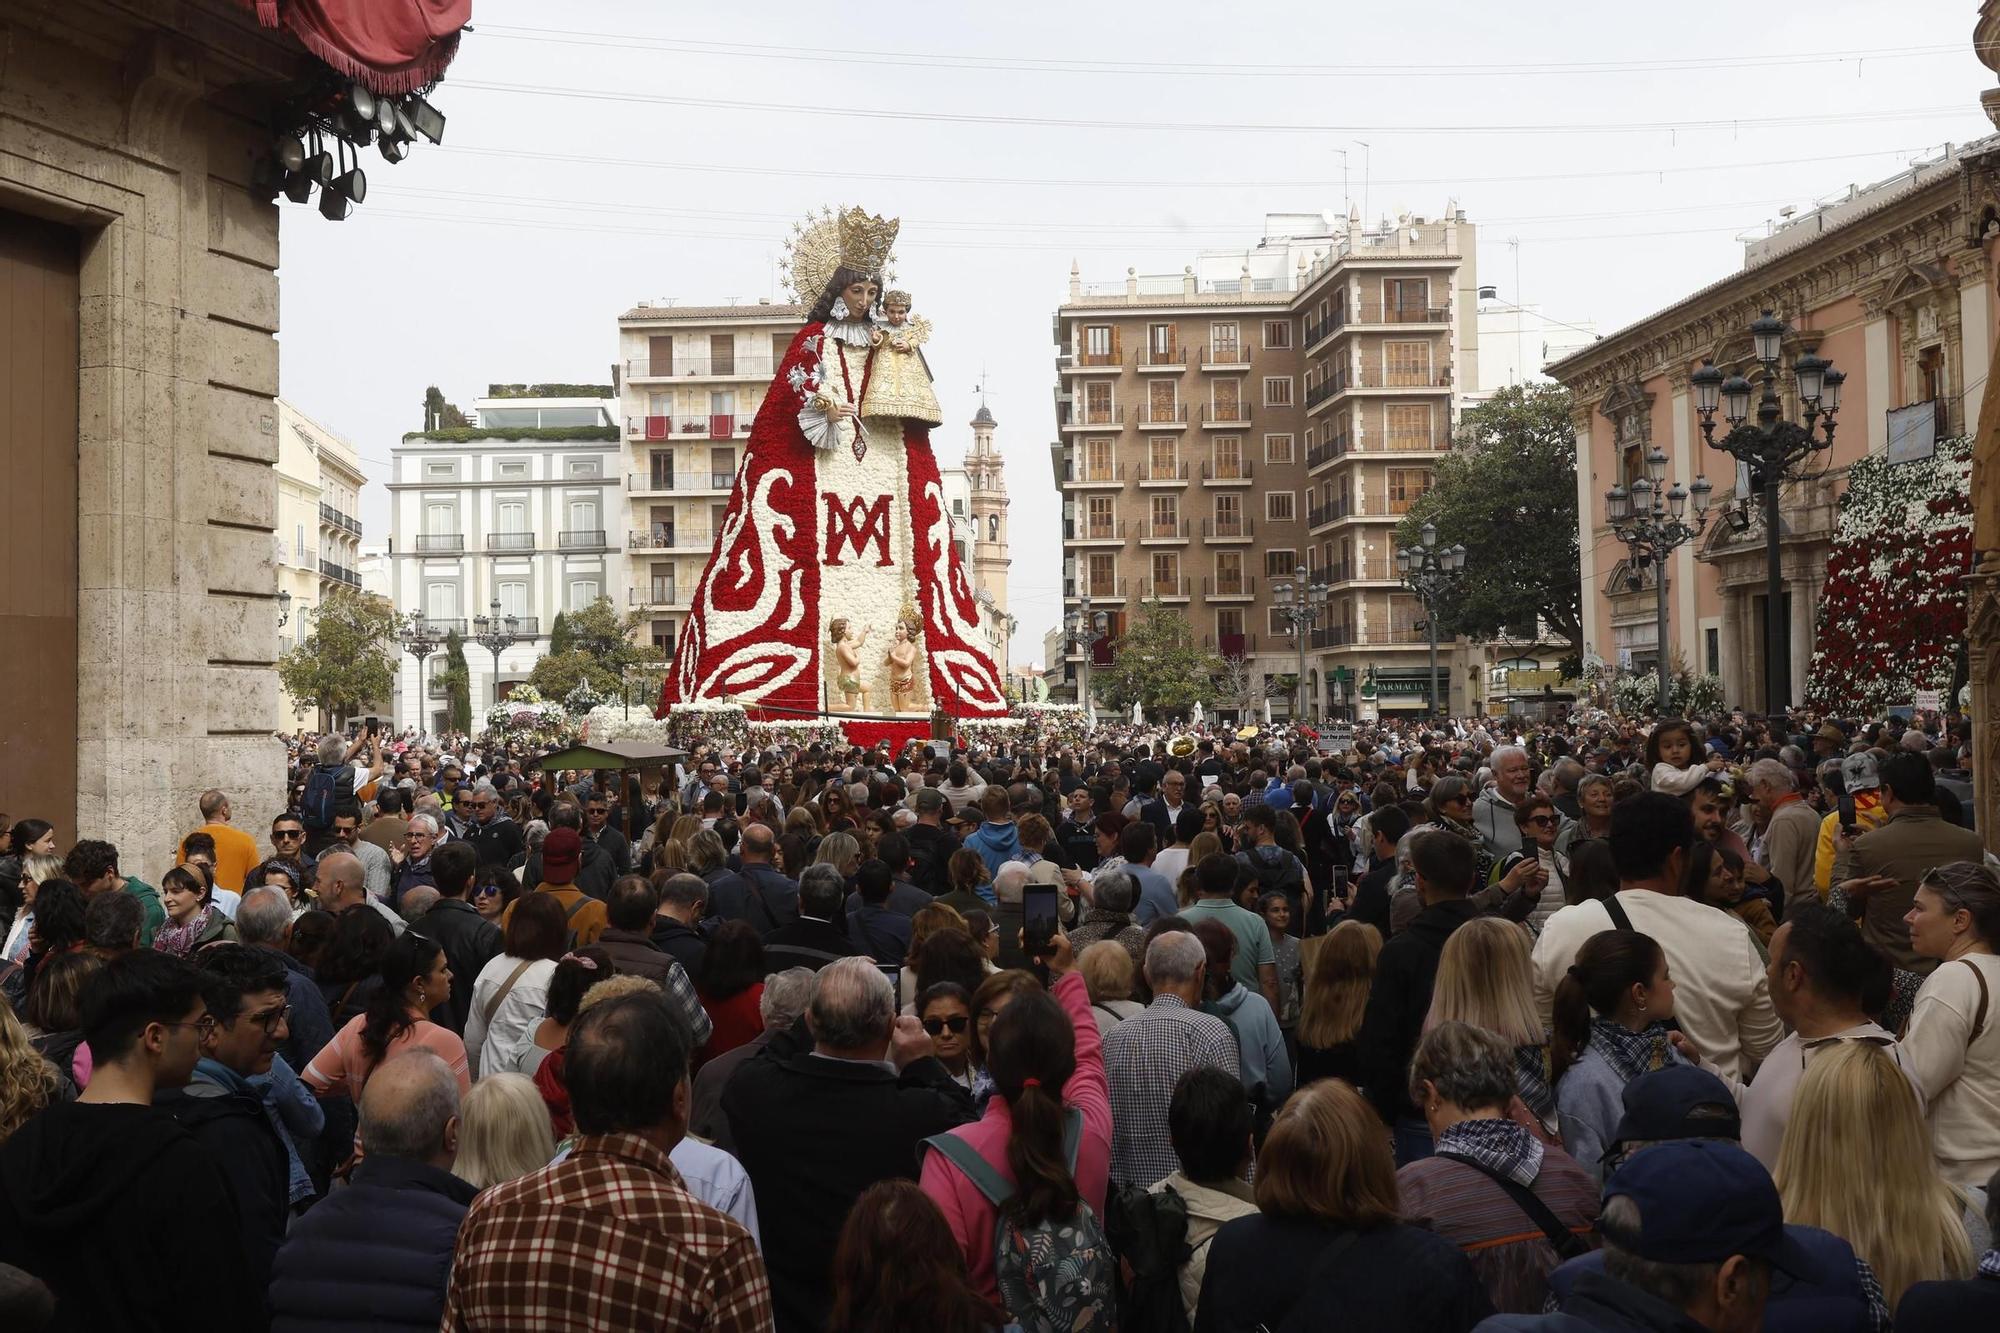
(972, 1218)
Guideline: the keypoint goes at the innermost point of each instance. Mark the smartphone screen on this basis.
(1847, 814)
(895, 975)
(1038, 915)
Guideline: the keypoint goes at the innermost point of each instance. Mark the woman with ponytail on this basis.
(1043, 1053)
(1611, 1012)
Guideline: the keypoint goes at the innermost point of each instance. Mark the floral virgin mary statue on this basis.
(836, 528)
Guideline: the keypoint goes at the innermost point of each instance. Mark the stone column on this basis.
(1731, 646)
(1878, 355)
(1589, 509)
(1975, 300)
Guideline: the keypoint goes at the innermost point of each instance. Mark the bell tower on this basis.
(987, 483)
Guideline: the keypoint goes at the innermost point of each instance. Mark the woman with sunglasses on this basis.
(945, 1010)
(1953, 1041)
(493, 890)
(1450, 807)
(1538, 868)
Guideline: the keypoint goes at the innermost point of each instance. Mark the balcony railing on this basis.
(1374, 312)
(1225, 414)
(510, 541)
(1224, 354)
(669, 539)
(1381, 377)
(1083, 418)
(1084, 530)
(339, 573)
(1243, 585)
(1164, 532)
(1164, 474)
(660, 592)
(1166, 590)
(1103, 475)
(1105, 359)
(1152, 358)
(1148, 414)
(345, 522)
(435, 627)
(1228, 528)
(440, 542)
(721, 426)
(1230, 645)
(1227, 473)
(581, 539)
(699, 367)
(640, 483)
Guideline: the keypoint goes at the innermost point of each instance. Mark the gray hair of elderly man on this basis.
(853, 1007)
(427, 819)
(486, 791)
(1009, 882)
(1114, 891)
(1174, 959)
(1771, 773)
(331, 749)
(786, 997)
(263, 917)
(408, 1106)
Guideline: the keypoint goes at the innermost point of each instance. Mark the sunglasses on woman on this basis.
(955, 1024)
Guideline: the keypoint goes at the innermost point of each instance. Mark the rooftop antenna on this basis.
(980, 388)
(1346, 196)
(1367, 156)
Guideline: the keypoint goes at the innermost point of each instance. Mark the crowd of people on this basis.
(1583, 1024)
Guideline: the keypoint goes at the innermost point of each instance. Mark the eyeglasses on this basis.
(270, 1018)
(287, 833)
(1542, 821)
(202, 1026)
(486, 891)
(955, 1024)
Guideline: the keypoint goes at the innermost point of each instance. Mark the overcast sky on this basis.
(599, 154)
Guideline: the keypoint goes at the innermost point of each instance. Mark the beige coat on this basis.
(1207, 1208)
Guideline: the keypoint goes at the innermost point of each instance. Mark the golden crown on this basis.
(831, 239)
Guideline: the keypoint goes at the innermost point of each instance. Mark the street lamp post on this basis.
(1650, 519)
(1299, 605)
(496, 634)
(1774, 449)
(420, 639)
(1427, 570)
(1084, 626)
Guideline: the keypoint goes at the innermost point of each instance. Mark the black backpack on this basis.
(1149, 1232)
(322, 794)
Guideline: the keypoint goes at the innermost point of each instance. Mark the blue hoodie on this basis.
(1260, 1045)
(997, 844)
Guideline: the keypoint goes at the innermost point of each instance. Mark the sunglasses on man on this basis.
(955, 1024)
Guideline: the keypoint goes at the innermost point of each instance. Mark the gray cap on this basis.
(1857, 772)
(928, 800)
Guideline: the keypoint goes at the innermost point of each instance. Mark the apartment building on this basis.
(523, 509)
(690, 381)
(1260, 411)
(319, 533)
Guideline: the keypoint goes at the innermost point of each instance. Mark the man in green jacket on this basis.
(93, 867)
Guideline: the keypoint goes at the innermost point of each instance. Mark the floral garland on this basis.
(712, 721)
(1690, 694)
(986, 732)
(802, 733)
(525, 718)
(1064, 724)
(1893, 613)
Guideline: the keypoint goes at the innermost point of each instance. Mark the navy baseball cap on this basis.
(1663, 1105)
(1701, 1201)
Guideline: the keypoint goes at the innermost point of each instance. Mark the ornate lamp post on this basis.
(496, 634)
(1774, 449)
(1299, 605)
(1085, 627)
(420, 639)
(284, 608)
(1648, 518)
(1427, 570)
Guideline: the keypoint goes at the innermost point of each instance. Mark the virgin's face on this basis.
(859, 297)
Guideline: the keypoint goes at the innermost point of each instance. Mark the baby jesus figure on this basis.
(899, 380)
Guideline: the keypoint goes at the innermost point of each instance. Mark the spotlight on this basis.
(427, 119)
(392, 148)
(362, 101)
(385, 116)
(291, 153)
(334, 206)
(298, 186)
(351, 184)
(319, 168)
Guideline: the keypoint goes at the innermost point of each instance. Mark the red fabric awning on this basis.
(388, 46)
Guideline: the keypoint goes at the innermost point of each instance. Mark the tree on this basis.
(1507, 493)
(560, 639)
(1157, 663)
(594, 643)
(348, 660)
(439, 413)
(457, 681)
(1237, 686)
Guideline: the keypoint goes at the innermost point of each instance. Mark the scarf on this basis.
(1531, 1077)
(179, 941)
(1631, 1053)
(1989, 1264)
(1500, 1145)
(222, 1076)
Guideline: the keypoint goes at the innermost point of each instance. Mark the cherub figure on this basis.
(902, 664)
(847, 662)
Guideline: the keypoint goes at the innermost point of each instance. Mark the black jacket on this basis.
(232, 1125)
(807, 942)
(1389, 1279)
(1370, 902)
(310, 1024)
(774, 897)
(1935, 1307)
(685, 943)
(93, 1199)
(812, 1134)
(375, 1255)
(617, 846)
(1080, 841)
(469, 942)
(729, 897)
(930, 857)
(1397, 1003)
(593, 877)
(498, 841)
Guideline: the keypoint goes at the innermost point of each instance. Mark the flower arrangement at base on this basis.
(802, 733)
(582, 698)
(1065, 724)
(987, 732)
(608, 722)
(713, 721)
(1892, 615)
(525, 718)
(1692, 694)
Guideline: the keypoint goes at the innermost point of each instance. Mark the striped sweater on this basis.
(1507, 1249)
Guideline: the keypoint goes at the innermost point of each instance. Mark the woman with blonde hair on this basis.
(28, 1083)
(1336, 994)
(842, 851)
(1856, 1161)
(1107, 974)
(1485, 978)
(503, 1131)
(929, 919)
(1329, 1234)
(1186, 886)
(37, 869)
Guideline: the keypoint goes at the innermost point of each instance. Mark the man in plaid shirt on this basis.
(609, 1238)
(1145, 1056)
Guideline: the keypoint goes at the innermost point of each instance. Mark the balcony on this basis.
(1151, 417)
(659, 595)
(334, 518)
(1103, 474)
(521, 542)
(1172, 361)
(642, 483)
(1099, 361)
(1225, 356)
(582, 539)
(1166, 474)
(1109, 591)
(339, 573)
(722, 426)
(1110, 530)
(1233, 473)
(1369, 313)
(440, 543)
(1093, 418)
(1233, 646)
(1347, 380)
(436, 627)
(1360, 571)
(1321, 454)
(674, 539)
(1226, 416)
(1225, 588)
(756, 365)
(1236, 529)
(1166, 590)
(1150, 532)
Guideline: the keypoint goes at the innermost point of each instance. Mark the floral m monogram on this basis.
(856, 523)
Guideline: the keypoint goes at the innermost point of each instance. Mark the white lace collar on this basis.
(853, 332)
